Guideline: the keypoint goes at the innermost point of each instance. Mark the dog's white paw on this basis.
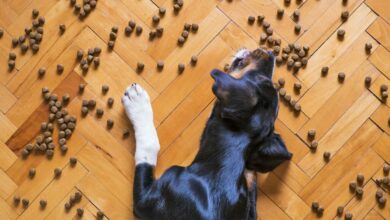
(242, 53)
(139, 110)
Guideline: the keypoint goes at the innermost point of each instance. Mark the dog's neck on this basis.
(222, 150)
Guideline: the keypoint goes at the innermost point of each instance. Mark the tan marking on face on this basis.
(250, 177)
(239, 73)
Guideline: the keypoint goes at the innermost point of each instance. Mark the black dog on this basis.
(239, 135)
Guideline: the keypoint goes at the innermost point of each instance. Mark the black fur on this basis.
(238, 135)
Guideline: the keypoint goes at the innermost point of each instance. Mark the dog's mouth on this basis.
(245, 60)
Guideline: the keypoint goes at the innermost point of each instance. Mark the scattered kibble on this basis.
(324, 70)
(359, 192)
(16, 200)
(25, 202)
(348, 216)
(105, 89)
(160, 65)
(73, 161)
(368, 80)
(344, 15)
(194, 60)
(341, 76)
(251, 19)
(327, 155)
(31, 173)
(281, 81)
(313, 145)
(180, 67)
(57, 172)
(99, 214)
(340, 210)
(62, 28)
(352, 186)
(43, 203)
(341, 34)
(110, 123)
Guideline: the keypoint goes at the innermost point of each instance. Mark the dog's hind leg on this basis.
(139, 110)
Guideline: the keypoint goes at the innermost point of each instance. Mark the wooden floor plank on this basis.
(380, 30)
(380, 60)
(330, 186)
(381, 118)
(341, 131)
(380, 7)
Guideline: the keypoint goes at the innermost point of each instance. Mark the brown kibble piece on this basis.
(110, 102)
(379, 194)
(313, 145)
(341, 77)
(110, 123)
(181, 40)
(360, 179)
(42, 203)
(194, 60)
(344, 15)
(73, 161)
(80, 212)
(287, 98)
(297, 28)
(105, 89)
(324, 70)
(25, 202)
(348, 216)
(386, 167)
(280, 12)
(327, 155)
(62, 28)
(311, 133)
(340, 210)
(297, 107)
(194, 28)
(155, 19)
(352, 186)
(341, 34)
(368, 47)
(282, 92)
(359, 192)
(60, 68)
(281, 81)
(160, 65)
(181, 67)
(99, 214)
(162, 11)
(128, 30)
(35, 13)
(140, 67)
(320, 211)
(81, 88)
(251, 19)
(368, 80)
(57, 172)
(31, 172)
(382, 201)
(383, 87)
(16, 200)
(297, 86)
(111, 44)
(296, 14)
(315, 206)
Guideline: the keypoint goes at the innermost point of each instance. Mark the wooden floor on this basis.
(350, 119)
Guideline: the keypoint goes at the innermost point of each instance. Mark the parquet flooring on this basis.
(352, 121)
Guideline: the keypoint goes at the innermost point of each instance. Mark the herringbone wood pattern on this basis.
(351, 120)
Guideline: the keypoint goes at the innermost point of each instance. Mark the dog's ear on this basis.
(221, 84)
(268, 155)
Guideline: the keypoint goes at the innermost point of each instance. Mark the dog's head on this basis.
(247, 101)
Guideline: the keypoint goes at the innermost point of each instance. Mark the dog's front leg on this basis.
(139, 110)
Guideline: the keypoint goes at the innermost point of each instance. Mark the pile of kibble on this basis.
(356, 187)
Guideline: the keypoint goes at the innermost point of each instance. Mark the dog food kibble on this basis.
(379, 194)
(185, 34)
(282, 92)
(162, 11)
(84, 111)
(383, 87)
(181, 40)
(99, 112)
(382, 201)
(80, 54)
(99, 214)
(35, 13)
(128, 30)
(31, 172)
(324, 70)
(297, 86)
(368, 47)
(80, 212)
(2, 32)
(313, 145)
(181, 67)
(57, 172)
(114, 29)
(344, 15)
(386, 169)
(341, 77)
(67, 206)
(73, 161)
(280, 12)
(194, 60)
(320, 211)
(340, 211)
(112, 36)
(25, 202)
(281, 82)
(297, 107)
(105, 89)
(111, 44)
(77, 196)
(341, 34)
(140, 67)
(311, 133)
(62, 28)
(297, 28)
(296, 14)
(368, 80)
(16, 200)
(260, 19)
(42, 203)
(384, 95)
(60, 68)
(251, 19)
(348, 216)
(359, 192)
(360, 179)
(64, 148)
(327, 155)
(315, 206)
(194, 28)
(160, 65)
(155, 19)
(138, 30)
(287, 98)
(110, 123)
(12, 56)
(263, 37)
(269, 31)
(45, 90)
